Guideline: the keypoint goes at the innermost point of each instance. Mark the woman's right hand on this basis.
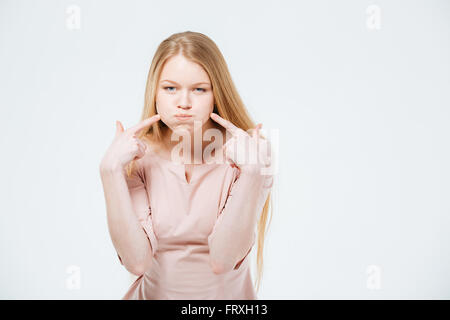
(126, 146)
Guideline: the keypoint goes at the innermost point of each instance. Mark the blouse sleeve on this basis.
(140, 201)
(233, 235)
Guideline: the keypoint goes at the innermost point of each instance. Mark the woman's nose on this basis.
(185, 102)
(185, 107)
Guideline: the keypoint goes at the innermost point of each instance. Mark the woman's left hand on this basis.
(248, 152)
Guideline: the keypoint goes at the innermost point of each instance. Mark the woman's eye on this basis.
(201, 89)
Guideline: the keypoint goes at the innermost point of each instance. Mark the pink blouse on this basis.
(189, 223)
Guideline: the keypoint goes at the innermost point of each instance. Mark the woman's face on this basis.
(184, 88)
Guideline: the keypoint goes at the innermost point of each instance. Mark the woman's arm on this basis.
(126, 231)
(233, 234)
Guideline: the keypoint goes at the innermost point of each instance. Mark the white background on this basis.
(363, 116)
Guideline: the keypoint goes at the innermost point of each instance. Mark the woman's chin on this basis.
(182, 128)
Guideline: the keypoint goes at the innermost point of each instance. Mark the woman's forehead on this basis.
(181, 71)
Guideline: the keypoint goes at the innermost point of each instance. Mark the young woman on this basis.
(186, 227)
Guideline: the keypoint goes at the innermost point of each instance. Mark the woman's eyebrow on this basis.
(193, 84)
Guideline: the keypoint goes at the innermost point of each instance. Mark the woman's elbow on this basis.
(219, 268)
(216, 268)
(138, 269)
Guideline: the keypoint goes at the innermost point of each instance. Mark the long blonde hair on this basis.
(200, 49)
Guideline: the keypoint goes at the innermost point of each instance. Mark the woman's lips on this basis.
(183, 117)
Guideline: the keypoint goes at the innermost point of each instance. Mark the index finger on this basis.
(144, 123)
(224, 123)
